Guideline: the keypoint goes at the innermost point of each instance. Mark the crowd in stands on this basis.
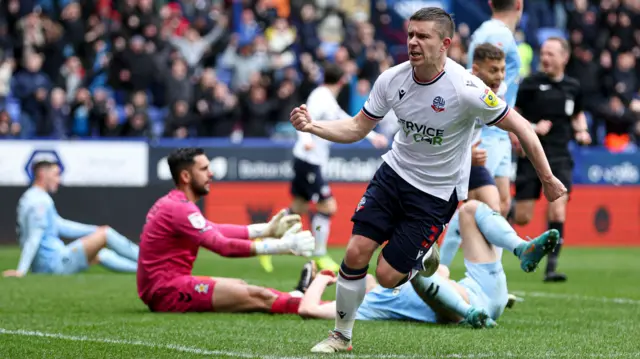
(216, 68)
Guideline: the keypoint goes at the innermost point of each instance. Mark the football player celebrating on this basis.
(416, 190)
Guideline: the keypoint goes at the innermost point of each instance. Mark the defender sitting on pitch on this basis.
(40, 228)
(478, 299)
(174, 232)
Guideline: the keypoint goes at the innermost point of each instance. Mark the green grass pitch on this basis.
(596, 314)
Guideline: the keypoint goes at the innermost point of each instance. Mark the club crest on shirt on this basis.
(361, 204)
(438, 104)
(197, 220)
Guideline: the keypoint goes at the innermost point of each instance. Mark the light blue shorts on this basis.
(71, 259)
(498, 154)
(486, 286)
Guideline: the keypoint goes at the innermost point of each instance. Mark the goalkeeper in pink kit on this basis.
(174, 231)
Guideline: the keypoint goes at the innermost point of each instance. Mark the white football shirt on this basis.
(322, 106)
(437, 120)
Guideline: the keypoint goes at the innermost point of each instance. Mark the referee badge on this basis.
(569, 106)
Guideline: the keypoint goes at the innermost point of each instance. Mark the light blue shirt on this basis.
(401, 303)
(37, 230)
(497, 33)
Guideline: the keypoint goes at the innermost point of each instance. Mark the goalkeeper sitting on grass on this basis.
(175, 230)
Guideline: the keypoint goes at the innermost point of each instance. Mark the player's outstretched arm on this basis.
(277, 226)
(37, 222)
(280, 223)
(292, 242)
(514, 122)
(311, 306)
(27, 255)
(346, 130)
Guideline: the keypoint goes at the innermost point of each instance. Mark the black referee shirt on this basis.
(540, 98)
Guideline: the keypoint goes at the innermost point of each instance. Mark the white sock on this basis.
(296, 294)
(320, 227)
(349, 295)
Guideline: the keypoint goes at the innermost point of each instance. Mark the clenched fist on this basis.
(553, 189)
(301, 119)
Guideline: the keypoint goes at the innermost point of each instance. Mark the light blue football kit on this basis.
(40, 228)
(485, 283)
(486, 286)
(495, 140)
(401, 303)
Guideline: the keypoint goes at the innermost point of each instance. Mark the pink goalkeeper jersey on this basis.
(174, 231)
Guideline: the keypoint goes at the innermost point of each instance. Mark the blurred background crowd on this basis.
(221, 68)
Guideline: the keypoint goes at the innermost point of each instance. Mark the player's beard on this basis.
(199, 189)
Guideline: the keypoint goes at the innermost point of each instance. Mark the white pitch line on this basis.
(177, 347)
(206, 352)
(577, 297)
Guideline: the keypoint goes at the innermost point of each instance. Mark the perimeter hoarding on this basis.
(596, 215)
(252, 183)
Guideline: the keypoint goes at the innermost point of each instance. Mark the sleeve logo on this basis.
(489, 98)
(201, 288)
(196, 220)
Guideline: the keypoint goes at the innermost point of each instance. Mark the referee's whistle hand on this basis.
(543, 127)
(553, 189)
(583, 138)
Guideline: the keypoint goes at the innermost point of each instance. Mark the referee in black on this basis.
(553, 102)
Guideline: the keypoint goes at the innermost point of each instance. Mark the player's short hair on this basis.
(443, 19)
(503, 5)
(333, 73)
(564, 44)
(181, 159)
(487, 51)
(42, 164)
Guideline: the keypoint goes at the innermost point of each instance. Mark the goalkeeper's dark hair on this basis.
(182, 159)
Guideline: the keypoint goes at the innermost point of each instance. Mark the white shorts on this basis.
(486, 286)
